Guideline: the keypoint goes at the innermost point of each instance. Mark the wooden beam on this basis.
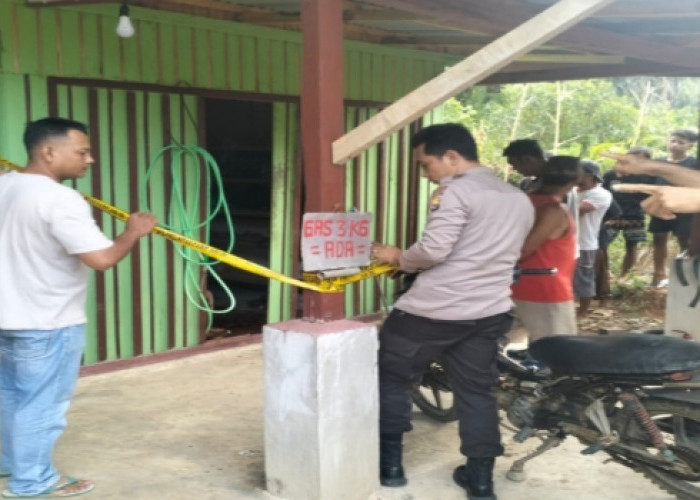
(454, 80)
(321, 122)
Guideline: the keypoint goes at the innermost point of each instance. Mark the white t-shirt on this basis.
(43, 225)
(589, 223)
(572, 204)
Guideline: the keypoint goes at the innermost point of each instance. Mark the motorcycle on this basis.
(635, 397)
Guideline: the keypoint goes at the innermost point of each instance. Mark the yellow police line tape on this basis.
(312, 281)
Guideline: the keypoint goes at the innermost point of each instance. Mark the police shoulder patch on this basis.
(436, 197)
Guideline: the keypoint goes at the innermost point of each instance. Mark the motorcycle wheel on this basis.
(680, 428)
(433, 394)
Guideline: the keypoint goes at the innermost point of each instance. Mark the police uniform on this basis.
(459, 305)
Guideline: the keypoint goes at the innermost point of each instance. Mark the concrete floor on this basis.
(193, 428)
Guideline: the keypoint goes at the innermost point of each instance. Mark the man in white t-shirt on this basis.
(594, 200)
(49, 242)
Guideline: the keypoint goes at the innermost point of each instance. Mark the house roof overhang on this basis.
(624, 38)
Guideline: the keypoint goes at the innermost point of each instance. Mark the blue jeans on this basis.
(38, 373)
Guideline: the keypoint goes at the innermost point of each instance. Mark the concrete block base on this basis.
(321, 410)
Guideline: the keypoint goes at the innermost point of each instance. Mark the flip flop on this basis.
(57, 490)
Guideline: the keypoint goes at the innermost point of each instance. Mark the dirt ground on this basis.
(634, 305)
(193, 428)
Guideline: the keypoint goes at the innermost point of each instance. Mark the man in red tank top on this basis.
(544, 303)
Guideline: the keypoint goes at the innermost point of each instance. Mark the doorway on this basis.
(239, 137)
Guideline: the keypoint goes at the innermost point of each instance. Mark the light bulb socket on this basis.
(124, 10)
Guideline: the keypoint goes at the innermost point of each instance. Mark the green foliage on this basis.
(594, 115)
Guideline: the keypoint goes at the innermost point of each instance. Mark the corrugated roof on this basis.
(627, 37)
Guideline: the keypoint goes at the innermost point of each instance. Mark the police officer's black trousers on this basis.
(407, 343)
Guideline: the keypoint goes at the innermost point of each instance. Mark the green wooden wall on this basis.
(139, 94)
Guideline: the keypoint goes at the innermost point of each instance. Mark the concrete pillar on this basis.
(321, 410)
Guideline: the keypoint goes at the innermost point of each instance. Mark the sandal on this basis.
(65, 487)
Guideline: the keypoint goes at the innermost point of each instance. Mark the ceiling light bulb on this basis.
(124, 28)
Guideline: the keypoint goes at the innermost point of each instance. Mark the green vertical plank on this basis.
(350, 291)
(92, 59)
(39, 104)
(407, 166)
(144, 277)
(370, 205)
(148, 43)
(70, 43)
(376, 77)
(107, 223)
(249, 64)
(14, 114)
(264, 70)
(178, 263)
(393, 216)
(48, 54)
(156, 190)
(80, 112)
(201, 59)
(28, 46)
(7, 54)
(232, 64)
(167, 46)
(366, 72)
(129, 52)
(217, 57)
(292, 54)
(122, 193)
(278, 208)
(278, 65)
(185, 56)
(293, 130)
(196, 177)
(111, 56)
(352, 75)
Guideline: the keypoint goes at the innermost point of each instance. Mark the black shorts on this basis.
(657, 225)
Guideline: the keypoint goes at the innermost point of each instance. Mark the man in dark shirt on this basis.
(679, 144)
(631, 220)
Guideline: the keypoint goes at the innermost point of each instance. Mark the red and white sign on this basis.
(334, 240)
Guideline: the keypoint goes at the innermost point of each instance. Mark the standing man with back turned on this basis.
(459, 305)
(48, 242)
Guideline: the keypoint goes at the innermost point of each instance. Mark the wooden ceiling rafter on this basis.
(525, 74)
(469, 25)
(513, 13)
(644, 9)
(478, 14)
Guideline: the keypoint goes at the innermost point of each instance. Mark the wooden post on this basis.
(322, 123)
(484, 62)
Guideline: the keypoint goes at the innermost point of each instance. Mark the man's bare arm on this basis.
(665, 200)
(635, 164)
(139, 224)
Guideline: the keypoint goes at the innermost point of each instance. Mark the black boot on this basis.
(477, 478)
(390, 468)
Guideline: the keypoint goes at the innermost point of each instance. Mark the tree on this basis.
(576, 117)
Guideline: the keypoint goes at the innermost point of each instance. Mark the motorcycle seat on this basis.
(631, 354)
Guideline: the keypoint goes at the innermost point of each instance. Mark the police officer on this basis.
(459, 305)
